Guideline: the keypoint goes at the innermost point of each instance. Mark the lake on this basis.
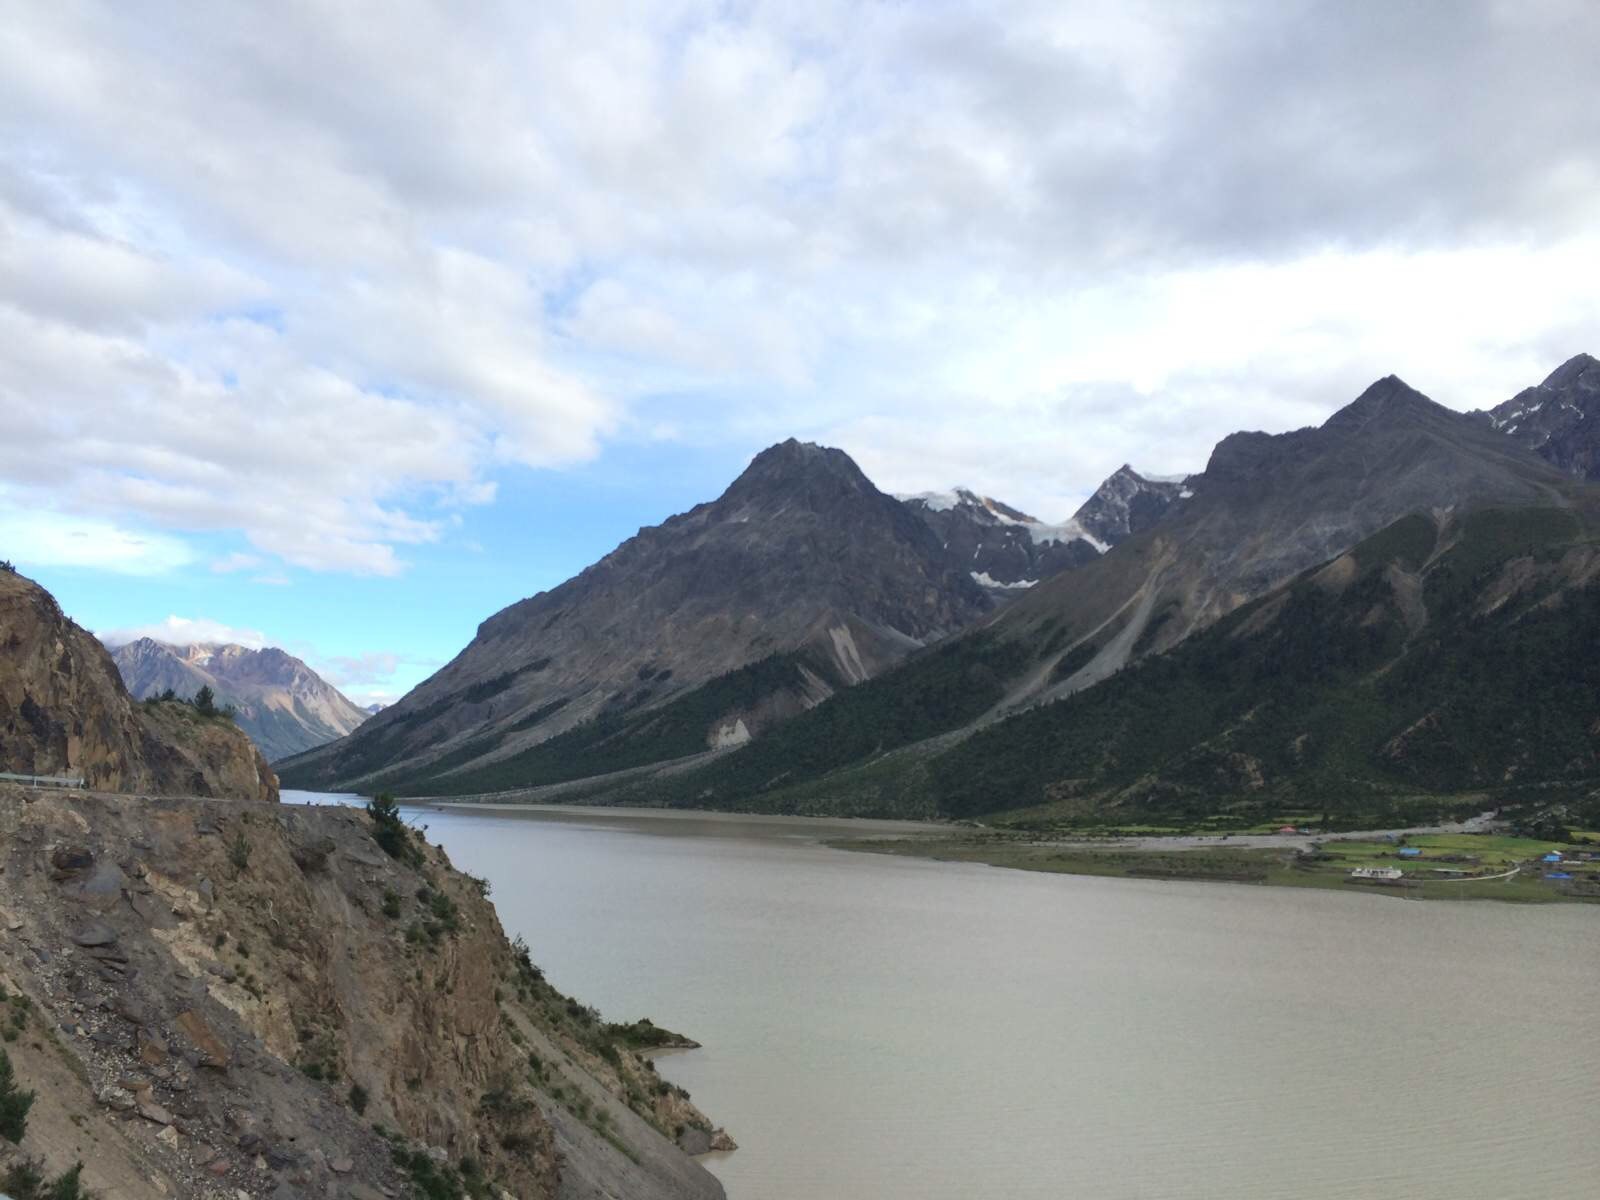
(879, 1028)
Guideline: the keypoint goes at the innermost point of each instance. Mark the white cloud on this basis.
(317, 273)
(49, 539)
(236, 561)
(185, 631)
(370, 668)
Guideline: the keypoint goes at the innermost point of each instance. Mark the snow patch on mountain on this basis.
(1067, 531)
(981, 578)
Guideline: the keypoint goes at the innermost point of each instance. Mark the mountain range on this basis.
(283, 705)
(800, 580)
(858, 643)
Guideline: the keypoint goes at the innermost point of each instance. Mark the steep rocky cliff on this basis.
(1559, 420)
(224, 1000)
(1007, 551)
(283, 704)
(64, 710)
(1128, 503)
(1002, 548)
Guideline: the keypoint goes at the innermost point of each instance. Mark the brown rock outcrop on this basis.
(244, 1018)
(64, 710)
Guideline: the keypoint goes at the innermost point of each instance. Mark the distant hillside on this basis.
(1439, 664)
(806, 630)
(64, 710)
(801, 558)
(1436, 657)
(1266, 508)
(283, 705)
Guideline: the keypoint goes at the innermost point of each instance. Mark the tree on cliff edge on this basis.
(14, 1103)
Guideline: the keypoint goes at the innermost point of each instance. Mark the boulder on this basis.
(694, 1141)
(151, 1111)
(101, 888)
(152, 1050)
(95, 933)
(214, 1052)
(72, 858)
(117, 1098)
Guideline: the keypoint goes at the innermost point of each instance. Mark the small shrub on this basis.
(525, 965)
(312, 858)
(14, 1103)
(68, 1185)
(24, 1180)
(390, 832)
(358, 1098)
(239, 853)
(391, 904)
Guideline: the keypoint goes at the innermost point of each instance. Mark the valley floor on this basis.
(1453, 865)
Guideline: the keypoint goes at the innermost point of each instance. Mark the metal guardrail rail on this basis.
(60, 781)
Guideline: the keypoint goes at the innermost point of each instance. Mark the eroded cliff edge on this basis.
(64, 710)
(222, 1000)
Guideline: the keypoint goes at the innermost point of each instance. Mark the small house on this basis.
(1382, 874)
(1410, 852)
(1553, 857)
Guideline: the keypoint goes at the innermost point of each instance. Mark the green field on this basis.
(1477, 856)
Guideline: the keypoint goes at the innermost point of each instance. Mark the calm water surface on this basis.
(879, 1028)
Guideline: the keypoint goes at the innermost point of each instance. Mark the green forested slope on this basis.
(1427, 670)
(1402, 668)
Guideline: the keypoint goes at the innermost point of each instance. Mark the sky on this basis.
(339, 325)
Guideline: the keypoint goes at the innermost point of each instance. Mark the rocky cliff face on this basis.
(801, 555)
(64, 710)
(1128, 503)
(283, 705)
(1002, 549)
(242, 1000)
(1560, 419)
(1006, 551)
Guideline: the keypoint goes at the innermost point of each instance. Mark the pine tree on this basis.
(14, 1103)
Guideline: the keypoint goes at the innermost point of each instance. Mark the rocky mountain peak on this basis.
(1390, 398)
(1128, 503)
(793, 465)
(1559, 419)
(1581, 370)
(283, 705)
(801, 559)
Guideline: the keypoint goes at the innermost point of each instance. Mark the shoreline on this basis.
(1211, 861)
(620, 814)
